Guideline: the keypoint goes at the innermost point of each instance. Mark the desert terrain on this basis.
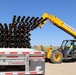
(65, 68)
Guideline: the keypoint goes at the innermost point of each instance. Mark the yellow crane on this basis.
(59, 23)
(56, 56)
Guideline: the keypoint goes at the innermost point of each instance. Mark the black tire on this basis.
(56, 57)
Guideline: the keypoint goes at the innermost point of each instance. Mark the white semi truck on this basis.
(21, 61)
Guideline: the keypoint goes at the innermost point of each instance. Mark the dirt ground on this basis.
(65, 68)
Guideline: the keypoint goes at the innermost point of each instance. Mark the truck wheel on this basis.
(56, 57)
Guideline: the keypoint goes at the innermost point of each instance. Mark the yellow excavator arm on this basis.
(59, 23)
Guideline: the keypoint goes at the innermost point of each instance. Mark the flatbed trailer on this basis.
(21, 61)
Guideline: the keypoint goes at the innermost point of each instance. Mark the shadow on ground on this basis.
(64, 61)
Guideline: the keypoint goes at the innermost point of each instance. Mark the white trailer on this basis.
(21, 61)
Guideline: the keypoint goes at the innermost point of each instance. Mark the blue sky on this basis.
(49, 34)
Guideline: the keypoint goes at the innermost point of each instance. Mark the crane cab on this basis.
(61, 53)
(65, 47)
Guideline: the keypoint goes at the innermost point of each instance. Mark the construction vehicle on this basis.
(56, 56)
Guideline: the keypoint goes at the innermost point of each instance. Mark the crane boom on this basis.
(59, 23)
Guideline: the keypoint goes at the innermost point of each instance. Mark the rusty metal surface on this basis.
(17, 34)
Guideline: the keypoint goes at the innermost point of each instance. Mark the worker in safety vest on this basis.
(70, 48)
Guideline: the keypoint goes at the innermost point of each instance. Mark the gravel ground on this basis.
(65, 68)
